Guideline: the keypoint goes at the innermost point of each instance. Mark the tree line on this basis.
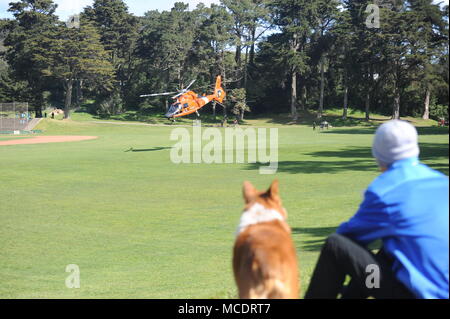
(275, 56)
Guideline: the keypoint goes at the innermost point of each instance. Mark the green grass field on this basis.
(139, 226)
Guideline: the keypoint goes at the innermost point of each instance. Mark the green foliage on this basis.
(112, 105)
(74, 54)
(238, 98)
(297, 20)
(118, 31)
(438, 111)
(249, 17)
(32, 19)
(317, 54)
(407, 54)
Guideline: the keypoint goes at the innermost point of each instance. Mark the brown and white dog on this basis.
(264, 260)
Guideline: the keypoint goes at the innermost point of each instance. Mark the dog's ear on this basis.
(273, 190)
(249, 192)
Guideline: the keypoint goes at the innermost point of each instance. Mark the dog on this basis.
(264, 256)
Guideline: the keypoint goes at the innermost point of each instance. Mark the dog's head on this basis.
(270, 199)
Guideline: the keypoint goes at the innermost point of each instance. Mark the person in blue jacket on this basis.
(407, 208)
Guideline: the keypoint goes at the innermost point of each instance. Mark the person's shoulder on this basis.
(382, 183)
(396, 176)
(433, 172)
(425, 172)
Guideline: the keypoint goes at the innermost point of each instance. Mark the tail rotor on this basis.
(219, 92)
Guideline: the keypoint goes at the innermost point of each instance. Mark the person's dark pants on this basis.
(342, 256)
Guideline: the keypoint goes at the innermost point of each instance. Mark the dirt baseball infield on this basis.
(47, 139)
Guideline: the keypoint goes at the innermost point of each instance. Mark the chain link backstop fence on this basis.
(14, 117)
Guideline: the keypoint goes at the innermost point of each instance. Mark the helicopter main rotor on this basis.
(179, 92)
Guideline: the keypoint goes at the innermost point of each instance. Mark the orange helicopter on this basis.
(188, 102)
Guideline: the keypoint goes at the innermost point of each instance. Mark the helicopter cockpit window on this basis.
(174, 107)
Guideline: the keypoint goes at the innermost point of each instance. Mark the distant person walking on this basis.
(407, 207)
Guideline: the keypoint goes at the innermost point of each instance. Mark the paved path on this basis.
(32, 124)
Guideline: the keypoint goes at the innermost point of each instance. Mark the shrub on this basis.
(112, 105)
(439, 111)
(238, 98)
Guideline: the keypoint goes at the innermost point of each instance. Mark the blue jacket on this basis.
(408, 208)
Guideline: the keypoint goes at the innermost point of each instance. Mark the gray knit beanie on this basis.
(395, 140)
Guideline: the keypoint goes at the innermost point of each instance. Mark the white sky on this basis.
(138, 7)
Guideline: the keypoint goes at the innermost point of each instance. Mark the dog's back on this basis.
(264, 259)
